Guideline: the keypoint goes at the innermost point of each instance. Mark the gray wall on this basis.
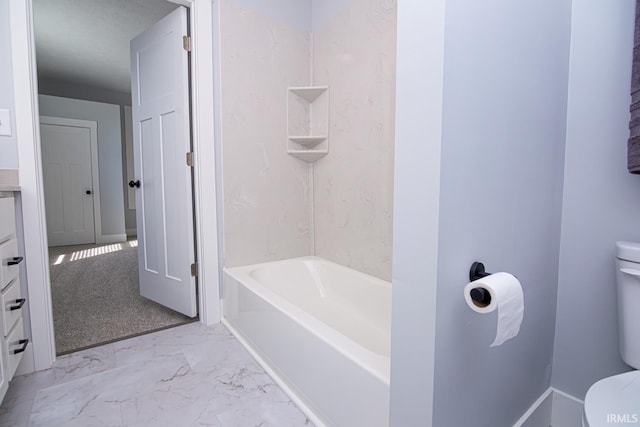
(502, 159)
(601, 200)
(8, 144)
(67, 89)
(109, 152)
(323, 10)
(129, 214)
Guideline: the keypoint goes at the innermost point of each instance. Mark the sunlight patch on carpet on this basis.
(92, 252)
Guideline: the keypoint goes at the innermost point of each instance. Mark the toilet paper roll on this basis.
(506, 295)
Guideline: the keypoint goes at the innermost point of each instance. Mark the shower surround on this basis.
(275, 205)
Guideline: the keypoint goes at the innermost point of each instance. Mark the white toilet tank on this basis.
(628, 284)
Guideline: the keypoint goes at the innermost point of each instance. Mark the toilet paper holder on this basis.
(480, 296)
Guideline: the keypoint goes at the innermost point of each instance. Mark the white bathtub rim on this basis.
(314, 258)
(375, 364)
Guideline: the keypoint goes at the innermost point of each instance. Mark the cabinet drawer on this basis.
(9, 261)
(16, 345)
(11, 298)
(7, 218)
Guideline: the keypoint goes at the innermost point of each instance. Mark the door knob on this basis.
(135, 183)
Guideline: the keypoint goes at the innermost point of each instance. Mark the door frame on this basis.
(95, 176)
(41, 354)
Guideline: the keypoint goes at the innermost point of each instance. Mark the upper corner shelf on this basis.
(309, 93)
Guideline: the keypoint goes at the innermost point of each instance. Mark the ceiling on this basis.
(86, 42)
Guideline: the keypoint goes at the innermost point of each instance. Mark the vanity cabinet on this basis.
(13, 342)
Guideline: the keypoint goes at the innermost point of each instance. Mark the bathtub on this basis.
(321, 331)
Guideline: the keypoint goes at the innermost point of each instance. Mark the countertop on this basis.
(9, 180)
(9, 187)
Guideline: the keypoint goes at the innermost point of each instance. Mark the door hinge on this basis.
(194, 269)
(186, 43)
(190, 159)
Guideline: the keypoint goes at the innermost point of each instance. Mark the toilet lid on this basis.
(614, 400)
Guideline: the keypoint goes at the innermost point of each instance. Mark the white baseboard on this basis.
(111, 238)
(554, 408)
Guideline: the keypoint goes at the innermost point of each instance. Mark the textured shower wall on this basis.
(355, 53)
(266, 191)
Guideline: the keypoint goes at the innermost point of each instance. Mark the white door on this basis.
(161, 140)
(69, 149)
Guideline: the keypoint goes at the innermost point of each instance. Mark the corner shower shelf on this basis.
(308, 122)
(308, 156)
(309, 93)
(308, 141)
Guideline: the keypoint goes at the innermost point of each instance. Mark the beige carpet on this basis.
(95, 295)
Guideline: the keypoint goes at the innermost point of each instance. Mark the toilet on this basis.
(616, 400)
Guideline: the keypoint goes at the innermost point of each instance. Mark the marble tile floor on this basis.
(190, 375)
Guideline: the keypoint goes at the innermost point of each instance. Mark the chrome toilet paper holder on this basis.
(480, 296)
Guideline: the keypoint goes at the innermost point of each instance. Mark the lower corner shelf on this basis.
(308, 156)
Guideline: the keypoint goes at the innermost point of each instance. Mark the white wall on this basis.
(415, 217)
(354, 53)
(505, 85)
(274, 207)
(601, 199)
(8, 144)
(266, 191)
(109, 153)
(307, 15)
(293, 13)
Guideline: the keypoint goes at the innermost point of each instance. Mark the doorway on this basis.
(69, 168)
(94, 287)
(205, 31)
